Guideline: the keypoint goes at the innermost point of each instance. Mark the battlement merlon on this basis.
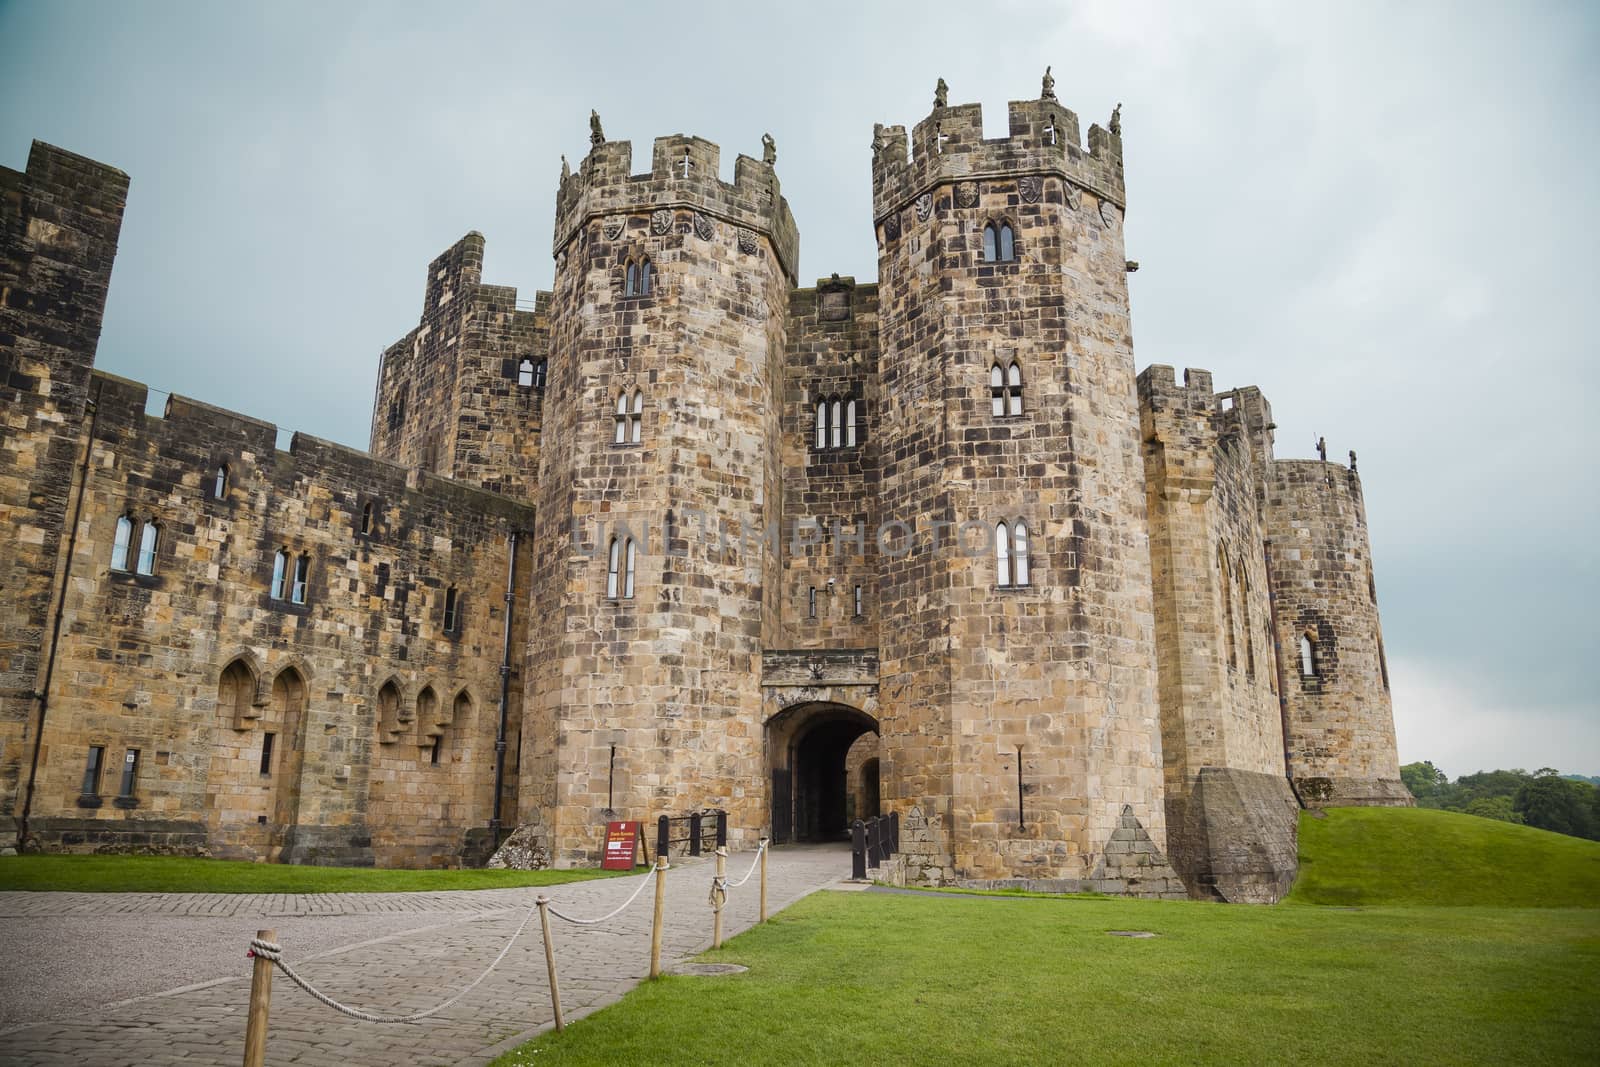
(1178, 424)
(69, 190)
(602, 187)
(948, 146)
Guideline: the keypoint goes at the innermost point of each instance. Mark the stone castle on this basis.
(682, 534)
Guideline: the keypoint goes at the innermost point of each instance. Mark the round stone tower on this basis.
(1338, 719)
(1020, 725)
(660, 437)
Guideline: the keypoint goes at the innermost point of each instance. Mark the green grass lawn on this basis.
(1420, 972)
(881, 979)
(1420, 856)
(167, 874)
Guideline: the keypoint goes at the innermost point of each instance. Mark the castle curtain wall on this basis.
(1231, 817)
(194, 664)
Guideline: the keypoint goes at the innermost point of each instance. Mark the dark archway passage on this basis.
(811, 787)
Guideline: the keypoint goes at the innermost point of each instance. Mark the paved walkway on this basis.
(147, 978)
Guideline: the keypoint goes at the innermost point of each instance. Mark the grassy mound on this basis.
(1420, 856)
(171, 874)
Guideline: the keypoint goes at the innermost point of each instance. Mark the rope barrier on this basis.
(271, 950)
(753, 864)
(611, 914)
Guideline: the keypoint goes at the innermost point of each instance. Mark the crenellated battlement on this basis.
(1159, 383)
(949, 146)
(249, 446)
(683, 176)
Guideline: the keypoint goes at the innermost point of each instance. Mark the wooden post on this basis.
(655, 927)
(550, 961)
(764, 843)
(255, 1027)
(716, 907)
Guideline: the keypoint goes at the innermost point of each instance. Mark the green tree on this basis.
(1551, 802)
(1424, 780)
(1484, 785)
(1501, 808)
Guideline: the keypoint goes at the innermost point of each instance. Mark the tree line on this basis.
(1544, 799)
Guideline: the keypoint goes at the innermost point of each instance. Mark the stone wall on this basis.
(1214, 642)
(59, 222)
(193, 664)
(830, 513)
(1338, 715)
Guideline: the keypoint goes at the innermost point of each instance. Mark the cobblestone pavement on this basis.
(145, 978)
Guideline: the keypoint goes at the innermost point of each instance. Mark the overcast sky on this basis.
(1385, 216)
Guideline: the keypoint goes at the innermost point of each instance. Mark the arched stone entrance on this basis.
(812, 792)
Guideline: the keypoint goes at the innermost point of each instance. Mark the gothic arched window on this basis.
(1005, 389)
(1308, 657)
(1011, 554)
(280, 572)
(219, 482)
(838, 423)
(119, 546)
(630, 418)
(619, 569)
(1227, 607)
(999, 242)
(302, 579)
(149, 537)
(637, 278)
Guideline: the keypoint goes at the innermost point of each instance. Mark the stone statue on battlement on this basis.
(597, 136)
(941, 94)
(769, 149)
(1047, 90)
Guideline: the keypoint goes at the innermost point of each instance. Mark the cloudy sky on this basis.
(1383, 215)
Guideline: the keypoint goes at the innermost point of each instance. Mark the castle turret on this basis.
(660, 439)
(1338, 717)
(461, 394)
(59, 223)
(1020, 721)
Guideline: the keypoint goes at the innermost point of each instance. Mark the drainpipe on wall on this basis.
(61, 607)
(505, 689)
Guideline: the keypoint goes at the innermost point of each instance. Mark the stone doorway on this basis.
(819, 753)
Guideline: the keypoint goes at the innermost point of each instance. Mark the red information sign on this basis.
(622, 844)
